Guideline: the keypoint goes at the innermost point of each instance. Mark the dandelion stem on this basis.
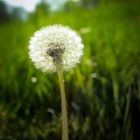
(63, 104)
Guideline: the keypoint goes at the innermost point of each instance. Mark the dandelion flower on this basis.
(55, 43)
(57, 48)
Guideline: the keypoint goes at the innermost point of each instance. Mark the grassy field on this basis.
(103, 91)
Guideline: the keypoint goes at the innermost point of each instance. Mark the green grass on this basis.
(100, 107)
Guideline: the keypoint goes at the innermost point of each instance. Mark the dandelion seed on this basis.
(33, 79)
(94, 75)
(85, 30)
(50, 110)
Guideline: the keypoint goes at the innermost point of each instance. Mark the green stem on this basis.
(63, 104)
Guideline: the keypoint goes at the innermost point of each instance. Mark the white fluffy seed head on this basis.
(46, 42)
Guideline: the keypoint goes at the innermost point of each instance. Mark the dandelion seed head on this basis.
(55, 43)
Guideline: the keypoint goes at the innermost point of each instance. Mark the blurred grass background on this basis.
(103, 91)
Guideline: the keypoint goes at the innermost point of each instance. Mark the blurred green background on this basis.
(103, 91)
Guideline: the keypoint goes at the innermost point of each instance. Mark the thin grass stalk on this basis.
(116, 96)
